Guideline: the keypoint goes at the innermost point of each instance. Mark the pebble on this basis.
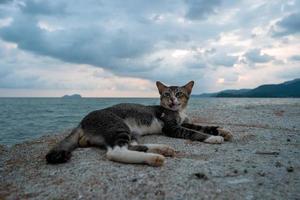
(201, 176)
(278, 164)
(290, 169)
(261, 173)
(134, 180)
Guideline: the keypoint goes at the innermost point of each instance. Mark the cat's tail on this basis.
(62, 151)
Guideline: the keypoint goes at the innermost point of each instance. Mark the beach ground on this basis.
(262, 162)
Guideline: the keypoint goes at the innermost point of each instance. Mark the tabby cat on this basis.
(118, 128)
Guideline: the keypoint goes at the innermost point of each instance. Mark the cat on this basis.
(119, 127)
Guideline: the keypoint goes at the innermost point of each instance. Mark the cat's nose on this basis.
(173, 99)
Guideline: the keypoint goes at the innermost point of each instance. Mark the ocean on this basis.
(24, 119)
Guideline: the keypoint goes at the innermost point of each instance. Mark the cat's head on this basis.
(174, 97)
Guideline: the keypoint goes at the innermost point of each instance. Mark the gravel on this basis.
(262, 162)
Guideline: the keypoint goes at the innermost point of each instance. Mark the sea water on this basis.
(23, 119)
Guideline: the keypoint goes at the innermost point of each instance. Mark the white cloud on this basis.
(179, 53)
(5, 21)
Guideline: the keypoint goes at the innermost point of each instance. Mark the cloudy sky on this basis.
(120, 48)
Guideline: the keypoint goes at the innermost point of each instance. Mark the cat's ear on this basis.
(161, 87)
(189, 87)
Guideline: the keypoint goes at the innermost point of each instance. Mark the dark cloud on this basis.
(36, 7)
(10, 78)
(108, 35)
(89, 45)
(4, 72)
(295, 58)
(287, 25)
(5, 1)
(200, 9)
(224, 60)
(25, 33)
(196, 64)
(256, 56)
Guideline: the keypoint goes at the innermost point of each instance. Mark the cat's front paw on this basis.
(214, 140)
(227, 135)
(156, 160)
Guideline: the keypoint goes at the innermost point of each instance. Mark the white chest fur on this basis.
(183, 116)
(154, 128)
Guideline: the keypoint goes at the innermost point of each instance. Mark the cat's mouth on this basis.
(174, 106)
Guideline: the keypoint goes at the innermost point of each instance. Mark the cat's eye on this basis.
(167, 94)
(179, 94)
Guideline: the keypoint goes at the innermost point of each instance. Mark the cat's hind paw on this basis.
(156, 160)
(227, 135)
(214, 140)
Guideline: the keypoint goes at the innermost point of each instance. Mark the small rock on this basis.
(290, 169)
(288, 140)
(201, 176)
(245, 171)
(134, 180)
(260, 183)
(235, 171)
(151, 176)
(278, 164)
(160, 193)
(261, 173)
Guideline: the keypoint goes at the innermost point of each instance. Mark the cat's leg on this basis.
(226, 134)
(125, 149)
(135, 154)
(124, 155)
(116, 135)
(134, 146)
(177, 131)
(162, 149)
(131, 154)
(212, 130)
(62, 151)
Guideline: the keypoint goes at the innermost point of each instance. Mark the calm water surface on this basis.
(27, 118)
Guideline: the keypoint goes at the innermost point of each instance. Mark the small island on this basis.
(73, 96)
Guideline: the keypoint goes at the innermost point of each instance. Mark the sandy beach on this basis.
(262, 162)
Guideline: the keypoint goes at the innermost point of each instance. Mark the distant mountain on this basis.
(286, 89)
(73, 96)
(205, 95)
(235, 92)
